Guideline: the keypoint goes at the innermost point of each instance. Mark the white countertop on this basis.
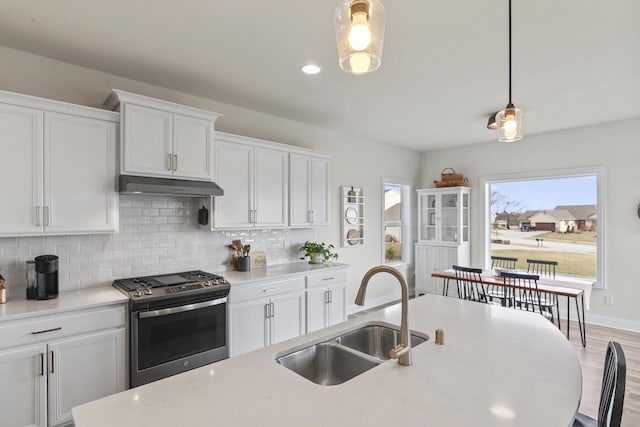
(278, 271)
(498, 367)
(21, 307)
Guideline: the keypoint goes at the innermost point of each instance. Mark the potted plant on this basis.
(318, 252)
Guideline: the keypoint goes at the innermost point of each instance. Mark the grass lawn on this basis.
(392, 251)
(568, 263)
(583, 237)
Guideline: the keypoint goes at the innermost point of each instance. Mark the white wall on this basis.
(355, 161)
(613, 145)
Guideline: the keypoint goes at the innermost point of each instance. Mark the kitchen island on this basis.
(498, 367)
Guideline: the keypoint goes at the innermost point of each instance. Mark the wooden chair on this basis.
(612, 391)
(469, 284)
(525, 294)
(503, 262)
(545, 269)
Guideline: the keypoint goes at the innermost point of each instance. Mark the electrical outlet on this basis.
(608, 300)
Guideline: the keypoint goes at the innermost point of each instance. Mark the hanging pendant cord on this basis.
(510, 52)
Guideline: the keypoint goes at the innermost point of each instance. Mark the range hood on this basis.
(131, 184)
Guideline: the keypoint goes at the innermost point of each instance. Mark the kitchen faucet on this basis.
(401, 352)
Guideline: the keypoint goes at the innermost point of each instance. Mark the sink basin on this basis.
(338, 359)
(327, 363)
(376, 340)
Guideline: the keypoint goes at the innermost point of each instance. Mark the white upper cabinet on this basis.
(57, 167)
(79, 172)
(255, 181)
(21, 157)
(149, 147)
(164, 139)
(309, 190)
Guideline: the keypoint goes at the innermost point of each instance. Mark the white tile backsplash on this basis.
(157, 235)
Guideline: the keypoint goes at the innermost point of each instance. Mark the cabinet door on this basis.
(249, 326)
(426, 260)
(80, 174)
(449, 218)
(23, 395)
(316, 308)
(147, 141)
(336, 309)
(319, 191)
(271, 187)
(192, 147)
(83, 369)
(287, 316)
(299, 184)
(20, 169)
(234, 173)
(427, 217)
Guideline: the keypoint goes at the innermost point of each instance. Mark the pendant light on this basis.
(508, 122)
(359, 34)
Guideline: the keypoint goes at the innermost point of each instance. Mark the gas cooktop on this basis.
(174, 284)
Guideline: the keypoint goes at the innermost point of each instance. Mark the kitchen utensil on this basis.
(238, 245)
(245, 250)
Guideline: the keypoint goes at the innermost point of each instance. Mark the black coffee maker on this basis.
(46, 276)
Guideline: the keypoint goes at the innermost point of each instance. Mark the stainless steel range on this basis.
(177, 322)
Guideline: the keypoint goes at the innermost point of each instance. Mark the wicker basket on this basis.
(451, 179)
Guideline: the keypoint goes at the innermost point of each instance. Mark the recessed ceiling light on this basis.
(310, 69)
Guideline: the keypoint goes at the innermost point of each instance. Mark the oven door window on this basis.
(164, 335)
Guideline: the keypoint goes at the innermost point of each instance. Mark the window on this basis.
(396, 222)
(553, 216)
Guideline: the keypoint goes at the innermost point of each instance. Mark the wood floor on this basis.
(592, 360)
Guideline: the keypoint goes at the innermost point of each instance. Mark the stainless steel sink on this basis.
(376, 340)
(343, 357)
(327, 363)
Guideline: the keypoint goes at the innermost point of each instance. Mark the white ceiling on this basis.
(444, 64)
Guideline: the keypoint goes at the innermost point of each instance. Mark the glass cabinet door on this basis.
(428, 217)
(449, 218)
(465, 217)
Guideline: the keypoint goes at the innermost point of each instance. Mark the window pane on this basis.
(392, 243)
(551, 219)
(392, 203)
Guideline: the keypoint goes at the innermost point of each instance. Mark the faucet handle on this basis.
(398, 351)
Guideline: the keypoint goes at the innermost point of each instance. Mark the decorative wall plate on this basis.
(351, 215)
(353, 236)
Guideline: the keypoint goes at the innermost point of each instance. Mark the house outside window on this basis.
(396, 222)
(551, 215)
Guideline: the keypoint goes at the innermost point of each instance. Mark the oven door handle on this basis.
(180, 309)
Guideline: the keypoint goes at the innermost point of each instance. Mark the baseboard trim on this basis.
(612, 322)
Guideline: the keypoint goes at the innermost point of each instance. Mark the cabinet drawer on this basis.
(261, 290)
(45, 328)
(326, 278)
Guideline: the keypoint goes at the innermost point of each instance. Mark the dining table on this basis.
(548, 285)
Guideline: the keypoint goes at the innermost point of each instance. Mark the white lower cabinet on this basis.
(432, 258)
(266, 313)
(56, 368)
(326, 299)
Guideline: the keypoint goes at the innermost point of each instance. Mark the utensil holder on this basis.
(243, 263)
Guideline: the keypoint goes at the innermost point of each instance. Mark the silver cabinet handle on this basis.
(52, 367)
(46, 216)
(59, 328)
(313, 217)
(175, 162)
(169, 162)
(267, 309)
(326, 297)
(180, 309)
(42, 364)
(255, 216)
(38, 222)
(273, 310)
(270, 290)
(328, 278)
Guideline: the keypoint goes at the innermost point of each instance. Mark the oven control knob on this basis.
(208, 283)
(148, 292)
(137, 294)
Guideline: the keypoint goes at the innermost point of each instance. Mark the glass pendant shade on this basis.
(509, 124)
(359, 34)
